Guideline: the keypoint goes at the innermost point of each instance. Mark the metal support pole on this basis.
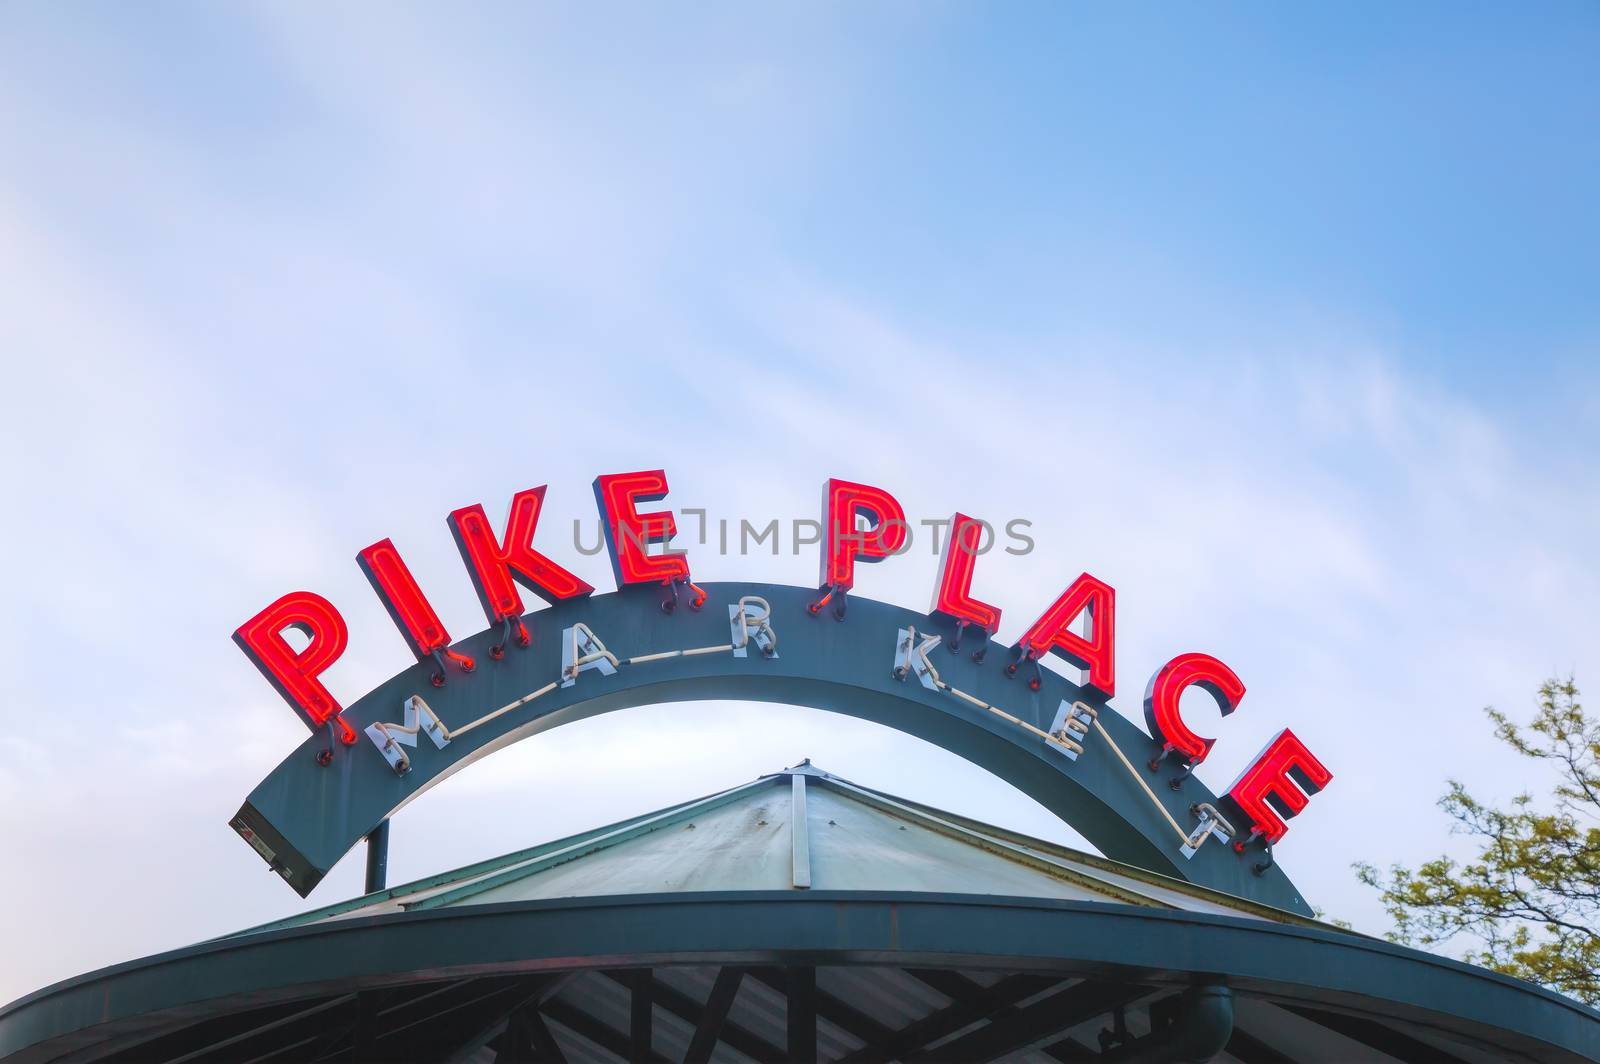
(378, 857)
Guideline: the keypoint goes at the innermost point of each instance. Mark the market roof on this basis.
(798, 829)
(799, 916)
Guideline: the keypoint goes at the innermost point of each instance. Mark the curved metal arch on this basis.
(118, 1008)
(306, 815)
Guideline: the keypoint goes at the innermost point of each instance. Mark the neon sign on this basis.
(629, 532)
(844, 506)
(861, 523)
(952, 595)
(296, 674)
(496, 569)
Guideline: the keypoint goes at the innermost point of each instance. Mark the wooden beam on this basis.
(544, 1043)
(449, 1028)
(1376, 1035)
(586, 1026)
(641, 1015)
(404, 1021)
(687, 1009)
(846, 1017)
(983, 1003)
(298, 1019)
(1069, 1049)
(1249, 1050)
(714, 1015)
(1061, 1010)
(527, 1040)
(366, 1028)
(801, 984)
(548, 987)
(951, 984)
(515, 1043)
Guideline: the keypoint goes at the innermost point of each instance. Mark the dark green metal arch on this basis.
(308, 815)
(122, 1006)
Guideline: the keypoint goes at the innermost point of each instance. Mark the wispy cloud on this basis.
(366, 267)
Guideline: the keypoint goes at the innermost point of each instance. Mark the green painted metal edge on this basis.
(1155, 947)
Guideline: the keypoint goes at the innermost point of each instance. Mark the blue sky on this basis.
(1281, 321)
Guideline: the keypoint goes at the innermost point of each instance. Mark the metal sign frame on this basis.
(1060, 744)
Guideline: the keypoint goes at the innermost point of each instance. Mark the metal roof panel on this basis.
(745, 838)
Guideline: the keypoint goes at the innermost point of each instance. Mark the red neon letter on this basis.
(1167, 686)
(496, 570)
(1265, 789)
(295, 674)
(407, 606)
(628, 531)
(952, 595)
(1096, 654)
(843, 543)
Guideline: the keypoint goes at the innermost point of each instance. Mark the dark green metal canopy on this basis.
(990, 945)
